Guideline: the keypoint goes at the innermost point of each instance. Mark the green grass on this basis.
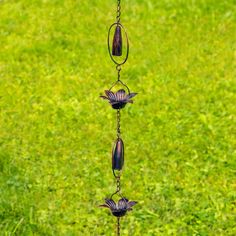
(56, 134)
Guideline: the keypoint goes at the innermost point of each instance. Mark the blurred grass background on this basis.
(56, 134)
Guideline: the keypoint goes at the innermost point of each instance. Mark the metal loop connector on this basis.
(123, 84)
(118, 186)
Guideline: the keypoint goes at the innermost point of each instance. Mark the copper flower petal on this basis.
(125, 199)
(110, 95)
(104, 205)
(104, 97)
(120, 95)
(131, 203)
(122, 204)
(131, 95)
(111, 204)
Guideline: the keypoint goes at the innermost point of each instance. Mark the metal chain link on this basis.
(118, 123)
(118, 184)
(118, 68)
(118, 226)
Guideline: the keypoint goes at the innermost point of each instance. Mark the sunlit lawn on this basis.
(56, 134)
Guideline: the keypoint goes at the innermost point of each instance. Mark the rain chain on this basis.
(118, 101)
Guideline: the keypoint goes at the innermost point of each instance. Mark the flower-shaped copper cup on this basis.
(119, 99)
(119, 209)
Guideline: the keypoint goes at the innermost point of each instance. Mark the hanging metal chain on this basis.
(118, 226)
(118, 188)
(118, 68)
(118, 123)
(118, 11)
